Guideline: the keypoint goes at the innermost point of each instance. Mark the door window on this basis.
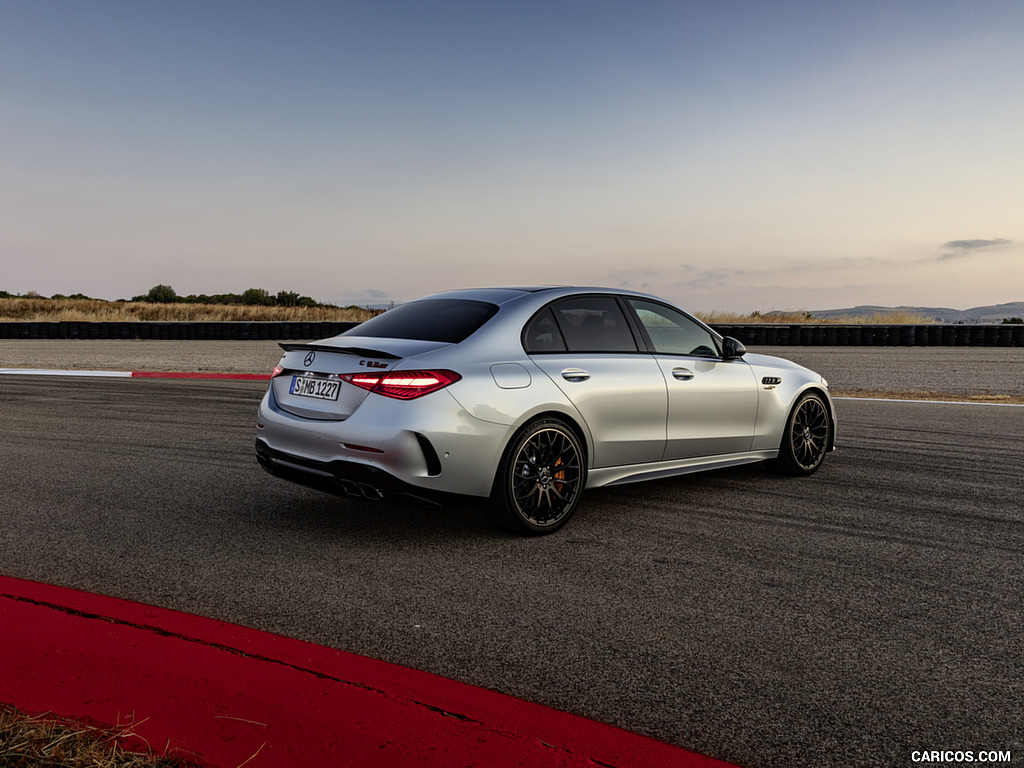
(672, 332)
(594, 324)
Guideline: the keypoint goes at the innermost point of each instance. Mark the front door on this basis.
(712, 402)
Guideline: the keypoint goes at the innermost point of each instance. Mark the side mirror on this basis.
(732, 349)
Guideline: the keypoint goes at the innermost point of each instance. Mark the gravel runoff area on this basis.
(993, 373)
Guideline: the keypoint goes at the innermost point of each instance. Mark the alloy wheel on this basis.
(546, 476)
(809, 433)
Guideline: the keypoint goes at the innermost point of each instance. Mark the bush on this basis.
(257, 297)
(293, 299)
(73, 297)
(287, 299)
(159, 294)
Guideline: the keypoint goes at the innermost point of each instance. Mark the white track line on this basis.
(55, 372)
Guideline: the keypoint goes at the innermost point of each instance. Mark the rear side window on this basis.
(593, 324)
(447, 320)
(542, 334)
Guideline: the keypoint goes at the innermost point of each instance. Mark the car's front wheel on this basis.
(806, 439)
(540, 479)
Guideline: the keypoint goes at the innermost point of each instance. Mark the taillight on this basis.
(278, 370)
(403, 385)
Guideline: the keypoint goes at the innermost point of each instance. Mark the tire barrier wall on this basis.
(827, 335)
(816, 335)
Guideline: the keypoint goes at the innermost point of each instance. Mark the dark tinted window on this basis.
(542, 334)
(594, 324)
(448, 320)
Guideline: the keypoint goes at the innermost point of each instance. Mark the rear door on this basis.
(712, 403)
(585, 345)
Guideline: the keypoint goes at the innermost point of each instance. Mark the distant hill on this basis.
(991, 314)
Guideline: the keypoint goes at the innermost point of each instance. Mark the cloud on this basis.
(962, 248)
(973, 245)
(647, 280)
(716, 279)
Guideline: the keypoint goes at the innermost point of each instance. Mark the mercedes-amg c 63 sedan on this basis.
(525, 397)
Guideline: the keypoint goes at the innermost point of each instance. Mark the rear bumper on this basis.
(347, 478)
(425, 447)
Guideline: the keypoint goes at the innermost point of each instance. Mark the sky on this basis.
(732, 156)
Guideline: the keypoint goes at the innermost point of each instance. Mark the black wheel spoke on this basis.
(546, 476)
(809, 434)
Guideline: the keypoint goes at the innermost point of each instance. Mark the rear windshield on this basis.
(447, 320)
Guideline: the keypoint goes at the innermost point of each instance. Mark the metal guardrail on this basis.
(813, 334)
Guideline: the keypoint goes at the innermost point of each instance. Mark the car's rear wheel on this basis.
(540, 479)
(806, 439)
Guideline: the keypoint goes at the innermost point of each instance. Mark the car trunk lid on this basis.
(310, 378)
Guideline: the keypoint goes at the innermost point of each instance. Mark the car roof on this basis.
(501, 294)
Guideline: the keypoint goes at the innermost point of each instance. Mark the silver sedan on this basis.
(525, 397)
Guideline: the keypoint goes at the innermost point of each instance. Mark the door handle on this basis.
(575, 374)
(683, 374)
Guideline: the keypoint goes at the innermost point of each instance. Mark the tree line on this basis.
(165, 294)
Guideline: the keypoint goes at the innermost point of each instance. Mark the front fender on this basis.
(775, 402)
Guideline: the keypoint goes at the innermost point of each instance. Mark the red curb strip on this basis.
(170, 375)
(227, 695)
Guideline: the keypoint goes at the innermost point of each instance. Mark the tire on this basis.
(806, 438)
(540, 479)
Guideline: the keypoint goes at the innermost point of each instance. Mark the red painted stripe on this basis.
(181, 375)
(226, 694)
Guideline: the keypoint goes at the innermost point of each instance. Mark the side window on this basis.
(672, 332)
(594, 324)
(542, 335)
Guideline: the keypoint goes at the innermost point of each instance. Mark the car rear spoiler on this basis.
(362, 351)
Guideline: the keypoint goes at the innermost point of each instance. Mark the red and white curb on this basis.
(134, 374)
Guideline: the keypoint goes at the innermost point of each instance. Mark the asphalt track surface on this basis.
(848, 619)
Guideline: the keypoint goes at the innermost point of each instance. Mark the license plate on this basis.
(322, 389)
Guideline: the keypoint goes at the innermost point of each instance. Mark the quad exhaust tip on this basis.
(361, 490)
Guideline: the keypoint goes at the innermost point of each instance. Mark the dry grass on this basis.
(39, 310)
(896, 317)
(97, 310)
(43, 740)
